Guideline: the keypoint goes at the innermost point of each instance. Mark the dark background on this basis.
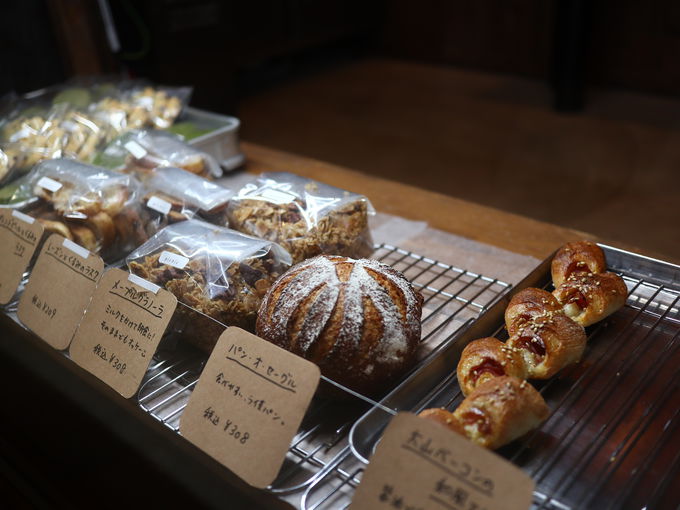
(229, 50)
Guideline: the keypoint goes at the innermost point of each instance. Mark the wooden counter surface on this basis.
(473, 221)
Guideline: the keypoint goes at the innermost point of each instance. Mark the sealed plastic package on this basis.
(214, 270)
(7, 162)
(177, 195)
(77, 120)
(306, 217)
(97, 208)
(61, 131)
(144, 151)
(135, 106)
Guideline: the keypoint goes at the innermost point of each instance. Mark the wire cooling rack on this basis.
(453, 297)
(613, 437)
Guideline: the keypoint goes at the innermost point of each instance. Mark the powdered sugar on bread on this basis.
(359, 316)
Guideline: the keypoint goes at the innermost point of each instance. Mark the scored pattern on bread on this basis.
(546, 333)
(359, 320)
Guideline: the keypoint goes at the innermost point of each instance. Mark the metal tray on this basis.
(222, 141)
(612, 440)
(454, 297)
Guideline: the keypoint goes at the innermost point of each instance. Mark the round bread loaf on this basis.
(358, 320)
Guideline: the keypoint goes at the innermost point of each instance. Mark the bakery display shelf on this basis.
(453, 299)
(613, 437)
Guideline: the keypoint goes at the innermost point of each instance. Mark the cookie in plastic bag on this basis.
(177, 195)
(94, 207)
(142, 152)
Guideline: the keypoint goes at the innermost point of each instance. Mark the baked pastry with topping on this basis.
(542, 334)
(584, 288)
(497, 412)
(547, 332)
(486, 358)
(575, 258)
(358, 320)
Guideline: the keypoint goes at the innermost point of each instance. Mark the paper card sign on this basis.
(19, 239)
(59, 289)
(248, 405)
(420, 464)
(121, 330)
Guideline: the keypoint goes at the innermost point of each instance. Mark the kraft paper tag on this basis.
(19, 238)
(248, 405)
(121, 330)
(419, 464)
(59, 290)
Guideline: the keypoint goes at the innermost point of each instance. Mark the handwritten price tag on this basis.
(248, 405)
(121, 331)
(19, 238)
(421, 465)
(59, 290)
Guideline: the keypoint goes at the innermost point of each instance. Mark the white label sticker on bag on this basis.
(23, 217)
(277, 196)
(135, 149)
(144, 283)
(172, 259)
(158, 204)
(76, 248)
(49, 184)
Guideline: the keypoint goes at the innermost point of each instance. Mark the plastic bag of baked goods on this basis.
(7, 165)
(97, 208)
(306, 217)
(133, 105)
(60, 131)
(142, 152)
(218, 272)
(177, 195)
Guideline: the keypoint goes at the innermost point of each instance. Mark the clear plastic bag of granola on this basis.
(216, 271)
(178, 195)
(61, 131)
(139, 105)
(94, 207)
(115, 105)
(306, 217)
(142, 152)
(9, 162)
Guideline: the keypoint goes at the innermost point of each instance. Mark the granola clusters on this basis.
(63, 133)
(340, 231)
(148, 107)
(77, 125)
(6, 164)
(233, 299)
